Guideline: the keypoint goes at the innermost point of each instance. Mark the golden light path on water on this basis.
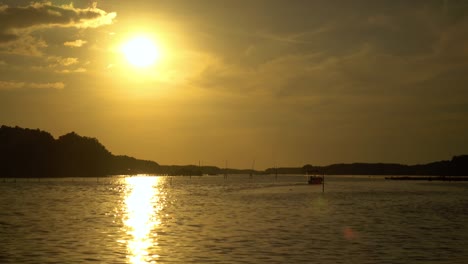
(143, 202)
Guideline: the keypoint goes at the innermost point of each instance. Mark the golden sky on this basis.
(282, 82)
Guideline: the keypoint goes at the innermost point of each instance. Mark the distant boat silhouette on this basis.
(314, 178)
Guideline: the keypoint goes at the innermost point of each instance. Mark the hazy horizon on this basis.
(284, 83)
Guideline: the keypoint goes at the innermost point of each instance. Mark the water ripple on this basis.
(209, 219)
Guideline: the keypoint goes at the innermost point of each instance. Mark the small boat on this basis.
(315, 180)
(315, 177)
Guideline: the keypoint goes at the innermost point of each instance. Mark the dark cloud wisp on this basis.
(14, 20)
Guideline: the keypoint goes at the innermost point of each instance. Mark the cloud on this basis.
(17, 25)
(60, 61)
(11, 85)
(56, 85)
(24, 45)
(14, 21)
(14, 85)
(75, 44)
(62, 65)
(78, 70)
(68, 61)
(374, 53)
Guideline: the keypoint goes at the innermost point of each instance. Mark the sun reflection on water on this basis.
(143, 202)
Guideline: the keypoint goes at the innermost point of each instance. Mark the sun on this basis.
(141, 52)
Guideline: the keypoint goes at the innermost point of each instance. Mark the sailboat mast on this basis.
(252, 170)
(225, 169)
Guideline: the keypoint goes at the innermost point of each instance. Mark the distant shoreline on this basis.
(34, 153)
(425, 178)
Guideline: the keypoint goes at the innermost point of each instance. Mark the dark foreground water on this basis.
(238, 220)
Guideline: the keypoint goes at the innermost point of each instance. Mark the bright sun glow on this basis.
(141, 52)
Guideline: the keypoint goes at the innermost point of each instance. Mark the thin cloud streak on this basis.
(75, 44)
(14, 85)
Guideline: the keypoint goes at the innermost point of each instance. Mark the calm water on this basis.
(209, 219)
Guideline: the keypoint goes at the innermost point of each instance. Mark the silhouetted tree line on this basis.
(35, 153)
(458, 166)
